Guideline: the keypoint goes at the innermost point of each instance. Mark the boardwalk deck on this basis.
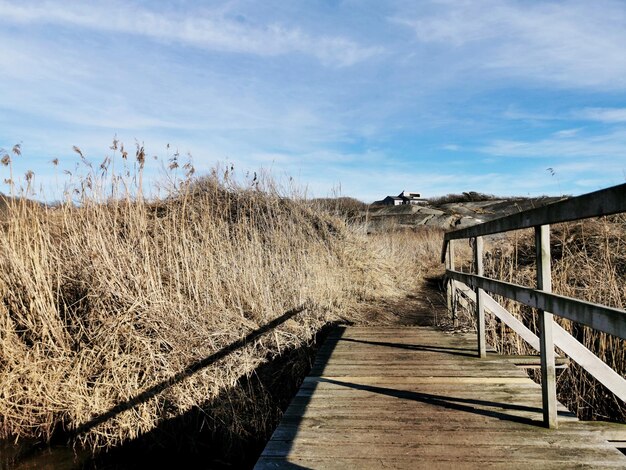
(417, 397)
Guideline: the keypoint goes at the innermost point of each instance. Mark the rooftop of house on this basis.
(409, 194)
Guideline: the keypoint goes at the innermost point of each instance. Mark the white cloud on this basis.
(591, 184)
(606, 145)
(451, 147)
(596, 114)
(608, 115)
(566, 133)
(573, 44)
(517, 114)
(202, 29)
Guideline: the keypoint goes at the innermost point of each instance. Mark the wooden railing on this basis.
(476, 287)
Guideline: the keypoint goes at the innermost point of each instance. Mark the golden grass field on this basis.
(110, 294)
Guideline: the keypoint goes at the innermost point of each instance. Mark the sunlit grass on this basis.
(110, 291)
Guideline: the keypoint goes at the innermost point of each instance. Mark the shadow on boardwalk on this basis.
(417, 347)
(454, 403)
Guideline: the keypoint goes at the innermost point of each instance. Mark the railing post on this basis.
(451, 291)
(546, 343)
(480, 302)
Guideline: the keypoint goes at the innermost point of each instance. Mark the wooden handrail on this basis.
(562, 339)
(609, 320)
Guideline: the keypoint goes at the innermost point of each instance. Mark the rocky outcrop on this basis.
(449, 215)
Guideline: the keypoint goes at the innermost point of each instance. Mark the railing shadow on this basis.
(454, 403)
(418, 347)
(184, 374)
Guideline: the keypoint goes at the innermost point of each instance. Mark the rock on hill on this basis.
(448, 215)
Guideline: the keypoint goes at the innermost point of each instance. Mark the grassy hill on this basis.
(121, 315)
(452, 211)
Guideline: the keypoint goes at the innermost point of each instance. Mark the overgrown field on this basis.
(589, 263)
(111, 303)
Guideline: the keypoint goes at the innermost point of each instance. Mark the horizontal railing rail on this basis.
(599, 317)
(475, 287)
(562, 339)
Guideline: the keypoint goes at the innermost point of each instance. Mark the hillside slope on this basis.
(449, 214)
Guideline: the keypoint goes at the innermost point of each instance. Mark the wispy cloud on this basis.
(576, 44)
(517, 114)
(608, 115)
(451, 147)
(606, 145)
(200, 28)
(566, 133)
(590, 114)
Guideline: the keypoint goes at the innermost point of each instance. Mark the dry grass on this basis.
(106, 296)
(471, 196)
(346, 208)
(408, 254)
(589, 263)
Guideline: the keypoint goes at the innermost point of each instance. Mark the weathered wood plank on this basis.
(607, 319)
(577, 439)
(495, 308)
(432, 363)
(438, 410)
(450, 292)
(485, 370)
(413, 399)
(364, 463)
(475, 451)
(590, 362)
(546, 341)
(480, 302)
(397, 423)
(377, 379)
(460, 389)
(435, 407)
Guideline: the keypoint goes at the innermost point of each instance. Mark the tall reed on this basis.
(112, 291)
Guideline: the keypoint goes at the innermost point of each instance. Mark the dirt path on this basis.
(426, 306)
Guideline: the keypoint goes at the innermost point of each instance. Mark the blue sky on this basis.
(366, 98)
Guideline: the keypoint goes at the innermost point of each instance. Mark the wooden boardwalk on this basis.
(417, 397)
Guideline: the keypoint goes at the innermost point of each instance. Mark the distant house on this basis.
(405, 197)
(389, 201)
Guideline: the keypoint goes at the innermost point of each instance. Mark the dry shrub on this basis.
(347, 208)
(471, 196)
(589, 263)
(104, 298)
(409, 254)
